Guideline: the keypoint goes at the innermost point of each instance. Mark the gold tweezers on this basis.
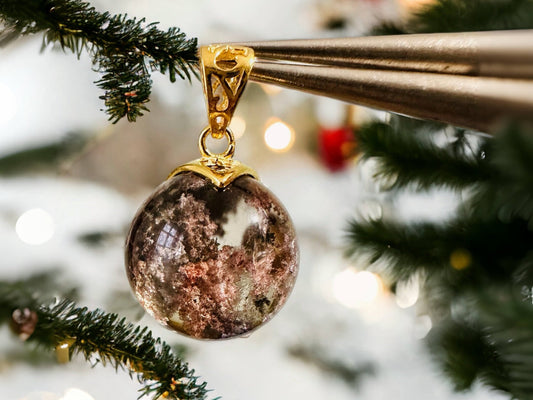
(472, 80)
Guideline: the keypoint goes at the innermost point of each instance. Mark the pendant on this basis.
(212, 253)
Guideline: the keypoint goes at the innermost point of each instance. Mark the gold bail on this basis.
(225, 70)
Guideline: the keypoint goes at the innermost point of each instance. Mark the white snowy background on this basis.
(43, 97)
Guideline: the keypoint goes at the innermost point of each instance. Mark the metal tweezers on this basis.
(472, 80)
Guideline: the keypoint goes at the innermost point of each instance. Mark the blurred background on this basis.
(71, 183)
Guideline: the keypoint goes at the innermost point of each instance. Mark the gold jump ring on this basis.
(230, 150)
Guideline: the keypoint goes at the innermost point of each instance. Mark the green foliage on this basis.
(483, 319)
(104, 338)
(481, 306)
(508, 317)
(43, 285)
(124, 50)
(495, 345)
(41, 159)
(466, 355)
(350, 374)
(473, 15)
(508, 194)
(98, 238)
(408, 150)
(465, 16)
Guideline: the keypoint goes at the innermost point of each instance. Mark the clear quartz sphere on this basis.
(212, 262)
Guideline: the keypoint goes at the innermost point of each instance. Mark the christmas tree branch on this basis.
(463, 252)
(473, 15)
(124, 50)
(466, 354)
(509, 314)
(493, 224)
(490, 339)
(46, 158)
(488, 244)
(405, 248)
(464, 16)
(478, 268)
(105, 338)
(507, 193)
(408, 151)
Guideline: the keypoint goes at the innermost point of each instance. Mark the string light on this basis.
(35, 227)
(279, 136)
(8, 104)
(356, 289)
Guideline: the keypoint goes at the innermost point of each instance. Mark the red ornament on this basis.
(336, 147)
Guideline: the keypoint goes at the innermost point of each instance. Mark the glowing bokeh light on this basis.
(422, 326)
(35, 227)
(279, 136)
(413, 5)
(238, 126)
(407, 293)
(271, 90)
(76, 394)
(356, 289)
(8, 104)
(460, 259)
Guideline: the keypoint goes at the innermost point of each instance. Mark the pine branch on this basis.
(494, 225)
(473, 15)
(106, 338)
(408, 152)
(509, 192)
(464, 16)
(482, 313)
(509, 329)
(496, 250)
(45, 285)
(466, 354)
(490, 341)
(124, 50)
(42, 159)
(350, 374)
(406, 249)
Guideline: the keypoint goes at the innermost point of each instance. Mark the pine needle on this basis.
(103, 338)
(124, 50)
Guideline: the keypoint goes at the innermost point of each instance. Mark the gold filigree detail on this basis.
(225, 71)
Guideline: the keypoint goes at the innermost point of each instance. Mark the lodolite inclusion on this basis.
(209, 262)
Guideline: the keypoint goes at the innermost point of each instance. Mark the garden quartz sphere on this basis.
(212, 262)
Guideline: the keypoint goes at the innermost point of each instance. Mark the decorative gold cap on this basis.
(220, 172)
